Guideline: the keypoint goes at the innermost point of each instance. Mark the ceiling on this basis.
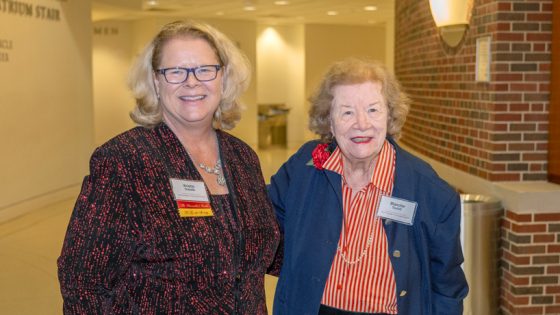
(348, 12)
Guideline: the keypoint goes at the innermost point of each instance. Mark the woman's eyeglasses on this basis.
(178, 75)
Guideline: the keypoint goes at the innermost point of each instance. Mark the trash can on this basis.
(480, 237)
(273, 121)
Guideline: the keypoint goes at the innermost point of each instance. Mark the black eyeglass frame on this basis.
(189, 70)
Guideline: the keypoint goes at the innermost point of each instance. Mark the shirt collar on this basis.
(383, 172)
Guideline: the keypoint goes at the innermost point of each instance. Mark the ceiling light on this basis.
(370, 8)
(332, 13)
(249, 5)
(152, 2)
(281, 2)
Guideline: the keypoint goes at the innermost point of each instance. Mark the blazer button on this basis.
(397, 253)
(403, 293)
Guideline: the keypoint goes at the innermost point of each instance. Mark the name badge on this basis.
(191, 197)
(396, 209)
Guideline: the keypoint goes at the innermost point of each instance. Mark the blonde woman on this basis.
(174, 217)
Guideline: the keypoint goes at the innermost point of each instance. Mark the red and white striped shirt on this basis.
(361, 277)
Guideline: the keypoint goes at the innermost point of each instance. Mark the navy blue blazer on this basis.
(426, 256)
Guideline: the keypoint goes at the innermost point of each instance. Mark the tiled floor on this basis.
(30, 245)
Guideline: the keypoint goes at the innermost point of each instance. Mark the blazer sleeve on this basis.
(96, 248)
(282, 183)
(277, 191)
(449, 286)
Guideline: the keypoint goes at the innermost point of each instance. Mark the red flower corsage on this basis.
(320, 155)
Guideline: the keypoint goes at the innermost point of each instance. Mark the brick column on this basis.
(530, 263)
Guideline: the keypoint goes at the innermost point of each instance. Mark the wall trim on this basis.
(23, 207)
(520, 197)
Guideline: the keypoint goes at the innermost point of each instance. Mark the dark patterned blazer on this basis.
(127, 250)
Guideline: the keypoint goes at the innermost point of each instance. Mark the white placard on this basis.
(483, 57)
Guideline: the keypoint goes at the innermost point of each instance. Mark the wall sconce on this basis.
(452, 19)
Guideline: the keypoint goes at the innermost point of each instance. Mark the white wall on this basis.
(325, 44)
(46, 118)
(112, 57)
(390, 44)
(281, 74)
(244, 34)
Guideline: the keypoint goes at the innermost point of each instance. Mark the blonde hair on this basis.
(352, 71)
(236, 75)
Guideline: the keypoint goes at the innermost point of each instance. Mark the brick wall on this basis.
(530, 263)
(496, 130)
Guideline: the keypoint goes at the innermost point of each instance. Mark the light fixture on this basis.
(152, 2)
(281, 2)
(452, 19)
(332, 13)
(249, 6)
(370, 8)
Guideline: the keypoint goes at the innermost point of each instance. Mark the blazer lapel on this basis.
(336, 184)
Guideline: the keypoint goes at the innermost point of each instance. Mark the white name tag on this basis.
(191, 198)
(189, 190)
(396, 209)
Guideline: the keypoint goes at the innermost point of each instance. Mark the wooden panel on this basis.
(554, 118)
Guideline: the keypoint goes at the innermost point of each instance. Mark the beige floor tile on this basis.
(29, 247)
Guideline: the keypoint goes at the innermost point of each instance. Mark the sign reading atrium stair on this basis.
(29, 10)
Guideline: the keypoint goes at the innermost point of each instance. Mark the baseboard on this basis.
(21, 208)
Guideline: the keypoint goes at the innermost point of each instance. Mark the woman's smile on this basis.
(361, 140)
(190, 98)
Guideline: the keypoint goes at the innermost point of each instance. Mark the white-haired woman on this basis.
(368, 228)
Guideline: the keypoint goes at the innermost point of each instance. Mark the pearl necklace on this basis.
(362, 255)
(216, 170)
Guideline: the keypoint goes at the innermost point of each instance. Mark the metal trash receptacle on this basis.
(480, 237)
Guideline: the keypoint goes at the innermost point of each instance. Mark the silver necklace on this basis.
(216, 170)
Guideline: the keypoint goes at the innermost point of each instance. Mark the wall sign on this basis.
(25, 9)
(5, 46)
(105, 30)
(483, 59)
